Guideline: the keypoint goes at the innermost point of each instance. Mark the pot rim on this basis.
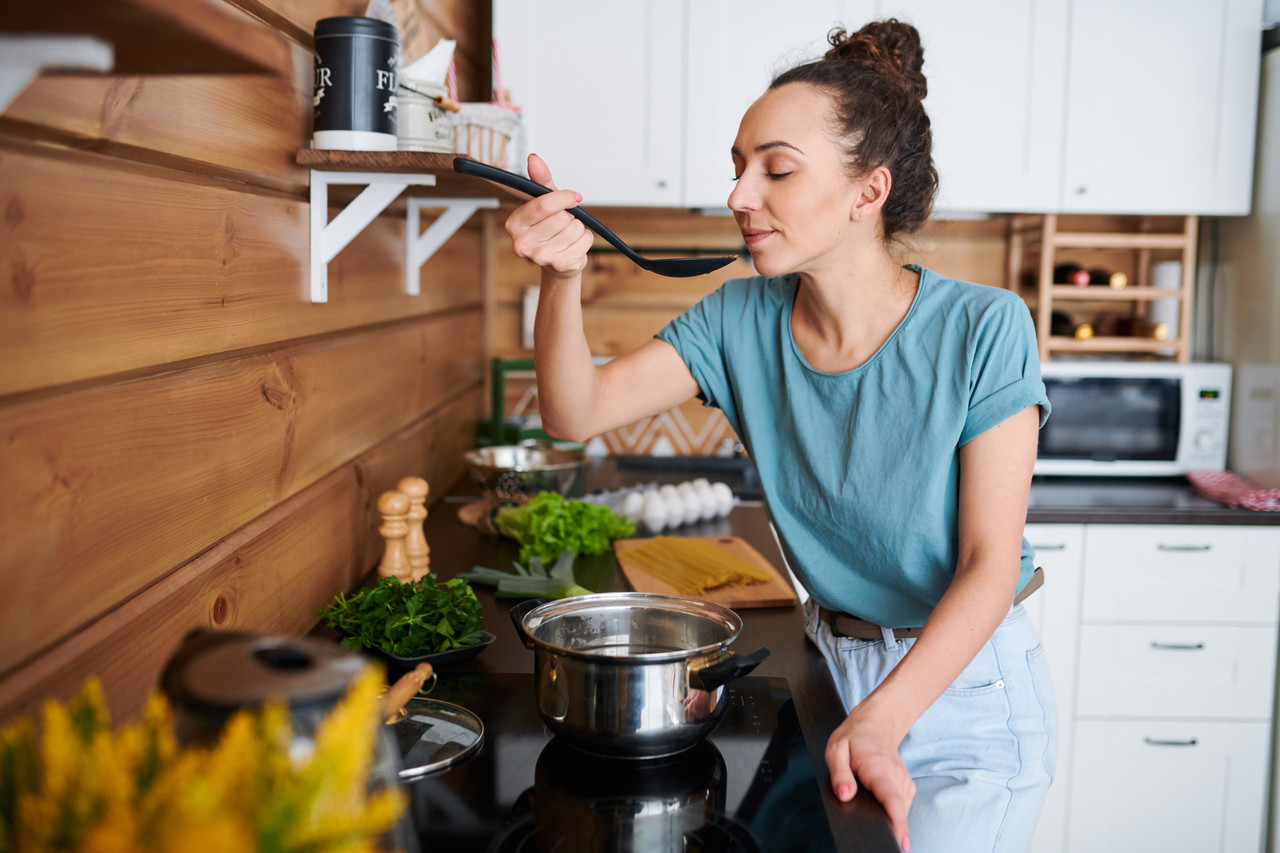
(731, 621)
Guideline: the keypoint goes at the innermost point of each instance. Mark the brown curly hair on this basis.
(875, 79)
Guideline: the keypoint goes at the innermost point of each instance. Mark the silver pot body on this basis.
(632, 675)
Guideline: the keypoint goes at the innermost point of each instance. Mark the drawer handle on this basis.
(1151, 741)
(1184, 548)
(1058, 547)
(1177, 647)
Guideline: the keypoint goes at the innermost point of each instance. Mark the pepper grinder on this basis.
(393, 506)
(415, 544)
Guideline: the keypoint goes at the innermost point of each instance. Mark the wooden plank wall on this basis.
(624, 305)
(185, 440)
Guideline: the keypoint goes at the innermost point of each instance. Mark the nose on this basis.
(744, 196)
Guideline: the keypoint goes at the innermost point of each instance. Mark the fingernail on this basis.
(906, 844)
(578, 196)
(842, 793)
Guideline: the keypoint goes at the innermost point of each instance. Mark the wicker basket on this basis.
(489, 133)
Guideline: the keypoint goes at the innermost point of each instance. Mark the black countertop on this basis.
(1131, 500)
(859, 826)
(1054, 500)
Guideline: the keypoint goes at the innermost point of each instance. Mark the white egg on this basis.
(677, 512)
(654, 513)
(707, 499)
(633, 507)
(724, 498)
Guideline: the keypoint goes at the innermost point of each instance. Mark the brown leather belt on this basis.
(844, 625)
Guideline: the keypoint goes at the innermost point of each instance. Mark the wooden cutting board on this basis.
(777, 592)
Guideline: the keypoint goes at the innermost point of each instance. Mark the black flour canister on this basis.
(355, 84)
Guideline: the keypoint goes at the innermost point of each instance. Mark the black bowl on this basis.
(397, 664)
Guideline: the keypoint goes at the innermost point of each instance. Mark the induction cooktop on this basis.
(750, 786)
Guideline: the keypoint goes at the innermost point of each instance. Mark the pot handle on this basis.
(733, 666)
(518, 613)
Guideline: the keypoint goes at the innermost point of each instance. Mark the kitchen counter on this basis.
(1130, 500)
(455, 547)
(1054, 500)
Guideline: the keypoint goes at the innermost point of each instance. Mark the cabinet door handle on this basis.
(1059, 547)
(1177, 647)
(1184, 548)
(1151, 741)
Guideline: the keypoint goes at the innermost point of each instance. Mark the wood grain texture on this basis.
(109, 488)
(268, 577)
(777, 592)
(159, 37)
(115, 272)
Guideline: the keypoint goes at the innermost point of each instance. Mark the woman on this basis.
(892, 415)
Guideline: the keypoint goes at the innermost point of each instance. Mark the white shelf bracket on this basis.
(330, 238)
(420, 247)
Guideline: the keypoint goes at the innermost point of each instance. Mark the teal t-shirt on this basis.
(861, 469)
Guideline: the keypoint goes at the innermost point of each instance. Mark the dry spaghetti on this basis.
(691, 566)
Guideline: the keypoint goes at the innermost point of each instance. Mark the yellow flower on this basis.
(80, 787)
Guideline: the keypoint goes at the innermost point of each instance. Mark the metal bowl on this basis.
(517, 471)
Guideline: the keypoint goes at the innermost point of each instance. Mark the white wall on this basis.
(1247, 303)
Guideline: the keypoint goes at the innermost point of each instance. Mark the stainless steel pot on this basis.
(632, 675)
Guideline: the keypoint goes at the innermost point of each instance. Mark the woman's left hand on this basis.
(864, 748)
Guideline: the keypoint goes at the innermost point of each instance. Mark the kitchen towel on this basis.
(1234, 491)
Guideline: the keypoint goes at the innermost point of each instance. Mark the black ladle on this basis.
(674, 267)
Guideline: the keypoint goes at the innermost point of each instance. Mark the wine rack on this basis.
(1039, 244)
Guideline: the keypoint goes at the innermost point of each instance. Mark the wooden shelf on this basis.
(1105, 344)
(1042, 236)
(1101, 294)
(440, 166)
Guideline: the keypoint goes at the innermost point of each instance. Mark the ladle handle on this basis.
(467, 166)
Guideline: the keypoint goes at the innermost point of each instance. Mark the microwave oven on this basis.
(1133, 419)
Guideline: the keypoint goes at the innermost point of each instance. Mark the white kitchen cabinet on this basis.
(1175, 787)
(1161, 106)
(601, 87)
(1161, 641)
(1138, 106)
(997, 81)
(1055, 610)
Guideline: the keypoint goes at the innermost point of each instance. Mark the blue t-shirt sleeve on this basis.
(1004, 375)
(698, 336)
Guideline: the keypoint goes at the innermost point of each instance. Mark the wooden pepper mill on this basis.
(416, 547)
(393, 506)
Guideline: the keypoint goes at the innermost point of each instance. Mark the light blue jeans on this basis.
(983, 755)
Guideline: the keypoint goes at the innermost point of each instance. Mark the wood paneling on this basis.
(268, 577)
(117, 271)
(109, 488)
(185, 439)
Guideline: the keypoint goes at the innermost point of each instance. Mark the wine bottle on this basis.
(1061, 324)
(1069, 273)
(1114, 280)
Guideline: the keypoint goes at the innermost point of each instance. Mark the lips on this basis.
(752, 236)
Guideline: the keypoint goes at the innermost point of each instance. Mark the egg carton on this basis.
(658, 507)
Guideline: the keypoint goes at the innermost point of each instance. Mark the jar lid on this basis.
(354, 25)
(221, 671)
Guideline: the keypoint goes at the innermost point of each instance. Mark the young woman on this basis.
(892, 414)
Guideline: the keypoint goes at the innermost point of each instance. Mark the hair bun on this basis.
(890, 48)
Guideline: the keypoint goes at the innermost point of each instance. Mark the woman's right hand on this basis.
(544, 231)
